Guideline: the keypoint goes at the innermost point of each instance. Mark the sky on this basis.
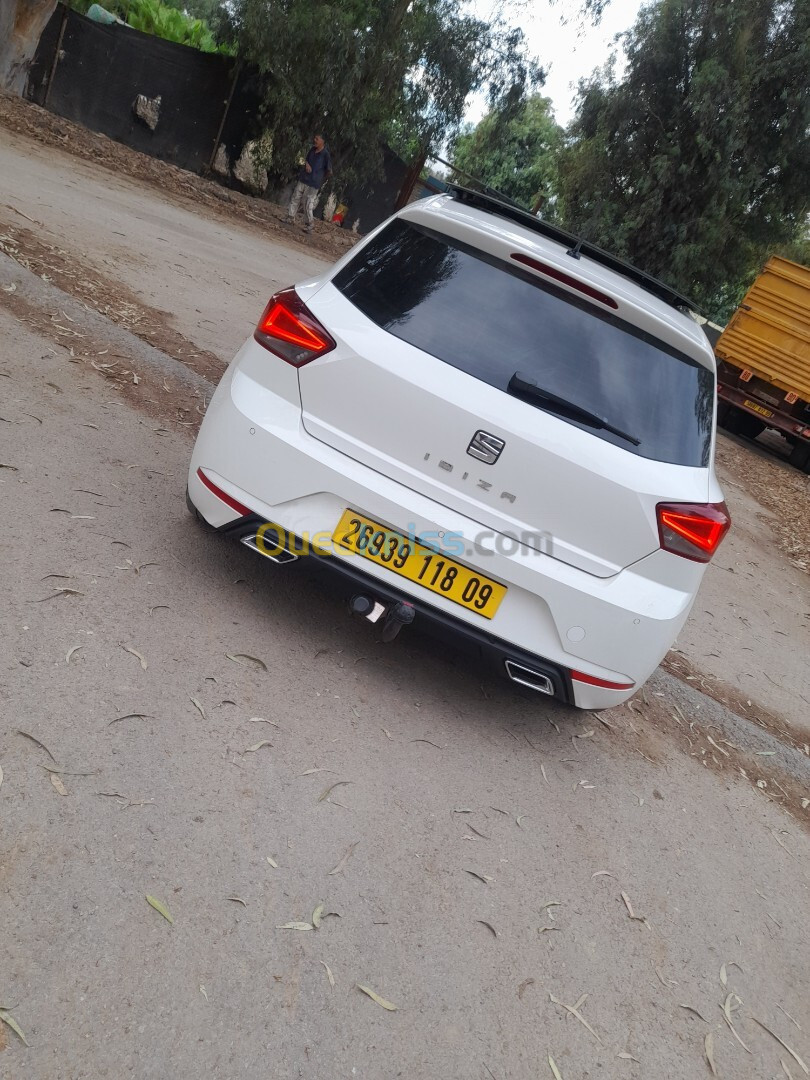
(568, 52)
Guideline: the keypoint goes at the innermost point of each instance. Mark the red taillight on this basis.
(692, 530)
(223, 495)
(591, 680)
(288, 329)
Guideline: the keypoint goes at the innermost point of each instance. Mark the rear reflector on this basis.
(692, 530)
(591, 680)
(220, 494)
(566, 279)
(288, 329)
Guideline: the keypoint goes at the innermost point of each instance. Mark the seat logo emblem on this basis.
(485, 447)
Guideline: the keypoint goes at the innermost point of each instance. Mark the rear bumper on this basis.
(253, 446)
(475, 640)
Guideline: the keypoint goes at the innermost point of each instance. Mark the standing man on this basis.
(316, 169)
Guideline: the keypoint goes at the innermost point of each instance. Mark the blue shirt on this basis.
(320, 163)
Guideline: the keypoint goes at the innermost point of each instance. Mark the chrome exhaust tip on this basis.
(526, 676)
(279, 555)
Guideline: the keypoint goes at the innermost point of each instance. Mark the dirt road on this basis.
(483, 860)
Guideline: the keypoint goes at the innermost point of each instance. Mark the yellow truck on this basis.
(763, 369)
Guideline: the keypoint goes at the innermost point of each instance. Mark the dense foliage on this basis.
(360, 68)
(517, 155)
(696, 164)
(164, 20)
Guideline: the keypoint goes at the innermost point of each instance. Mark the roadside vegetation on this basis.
(693, 164)
(173, 22)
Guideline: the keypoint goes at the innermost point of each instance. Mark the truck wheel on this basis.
(740, 423)
(800, 456)
(723, 413)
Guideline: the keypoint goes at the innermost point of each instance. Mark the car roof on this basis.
(647, 302)
(577, 246)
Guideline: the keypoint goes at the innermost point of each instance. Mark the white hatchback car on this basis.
(479, 420)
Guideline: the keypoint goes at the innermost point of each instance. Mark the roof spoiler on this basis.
(576, 245)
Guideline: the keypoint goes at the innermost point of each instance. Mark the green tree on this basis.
(215, 14)
(697, 162)
(515, 154)
(358, 68)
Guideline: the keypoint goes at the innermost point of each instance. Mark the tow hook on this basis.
(396, 615)
(401, 614)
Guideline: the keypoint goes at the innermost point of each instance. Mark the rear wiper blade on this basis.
(524, 386)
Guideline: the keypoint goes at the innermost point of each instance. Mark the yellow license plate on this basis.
(757, 408)
(412, 560)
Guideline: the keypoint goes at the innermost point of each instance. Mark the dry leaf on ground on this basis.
(35, 740)
(708, 1048)
(7, 1018)
(555, 1071)
(574, 1011)
(630, 912)
(692, 1009)
(728, 1007)
(337, 869)
(296, 926)
(198, 707)
(164, 911)
(240, 658)
(258, 746)
(663, 979)
(317, 914)
(477, 832)
(59, 592)
(58, 786)
(790, 1018)
(484, 878)
(133, 652)
(329, 790)
(782, 1043)
(376, 997)
(329, 974)
(132, 716)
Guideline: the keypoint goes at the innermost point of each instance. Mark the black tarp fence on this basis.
(92, 74)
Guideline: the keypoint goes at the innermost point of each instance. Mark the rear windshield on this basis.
(493, 320)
